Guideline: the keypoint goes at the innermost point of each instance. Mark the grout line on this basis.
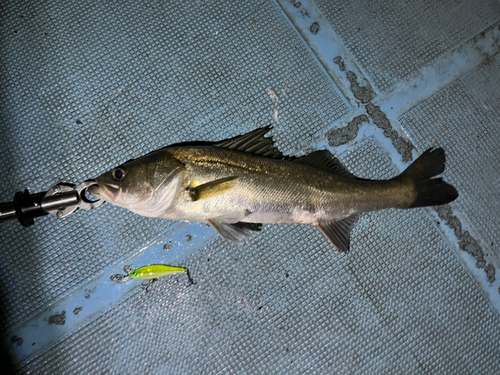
(449, 67)
(384, 110)
(325, 44)
(70, 313)
(345, 73)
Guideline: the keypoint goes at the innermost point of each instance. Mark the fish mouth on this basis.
(105, 190)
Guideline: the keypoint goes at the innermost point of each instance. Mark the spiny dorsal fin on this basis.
(326, 162)
(212, 188)
(339, 232)
(253, 142)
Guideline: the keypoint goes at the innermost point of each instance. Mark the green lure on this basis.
(155, 271)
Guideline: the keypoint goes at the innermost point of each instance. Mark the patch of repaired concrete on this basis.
(403, 146)
(338, 60)
(314, 28)
(466, 242)
(337, 137)
(58, 319)
(365, 95)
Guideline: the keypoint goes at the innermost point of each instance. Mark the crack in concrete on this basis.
(466, 242)
(337, 137)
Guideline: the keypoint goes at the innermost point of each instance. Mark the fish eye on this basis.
(118, 174)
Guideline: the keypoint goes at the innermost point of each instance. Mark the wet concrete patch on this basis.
(89, 292)
(119, 278)
(16, 340)
(338, 60)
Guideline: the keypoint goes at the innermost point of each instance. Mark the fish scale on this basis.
(271, 189)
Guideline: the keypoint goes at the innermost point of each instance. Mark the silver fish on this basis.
(236, 185)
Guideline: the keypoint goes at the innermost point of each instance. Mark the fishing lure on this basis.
(155, 271)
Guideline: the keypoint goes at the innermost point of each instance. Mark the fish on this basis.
(155, 271)
(238, 184)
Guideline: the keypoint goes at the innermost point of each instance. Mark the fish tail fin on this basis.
(430, 191)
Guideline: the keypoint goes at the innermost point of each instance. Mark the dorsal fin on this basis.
(326, 162)
(253, 142)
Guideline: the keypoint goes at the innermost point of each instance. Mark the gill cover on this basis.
(146, 186)
(164, 176)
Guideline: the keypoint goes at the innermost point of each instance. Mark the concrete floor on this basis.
(86, 86)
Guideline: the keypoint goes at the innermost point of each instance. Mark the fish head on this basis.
(147, 185)
(124, 185)
(134, 274)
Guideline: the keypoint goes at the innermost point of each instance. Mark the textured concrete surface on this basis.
(85, 87)
(467, 110)
(392, 40)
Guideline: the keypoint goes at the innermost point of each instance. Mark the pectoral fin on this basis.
(212, 188)
(232, 229)
(339, 232)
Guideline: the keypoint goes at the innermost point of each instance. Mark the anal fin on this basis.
(339, 232)
(232, 229)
